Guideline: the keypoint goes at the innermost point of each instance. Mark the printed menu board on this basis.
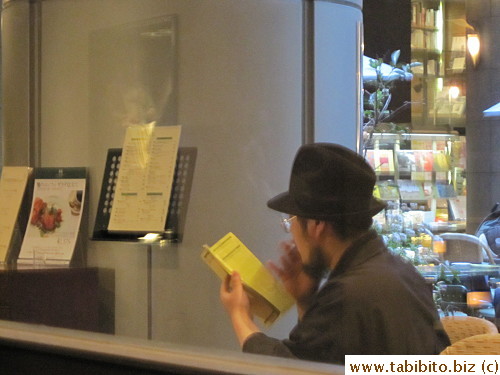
(56, 212)
(144, 184)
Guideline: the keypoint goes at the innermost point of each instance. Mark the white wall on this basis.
(337, 79)
(239, 100)
(15, 86)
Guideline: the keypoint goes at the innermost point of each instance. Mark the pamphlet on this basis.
(441, 162)
(445, 190)
(56, 212)
(458, 154)
(144, 183)
(420, 144)
(429, 189)
(268, 298)
(458, 44)
(458, 207)
(458, 64)
(406, 161)
(424, 161)
(382, 161)
(12, 188)
(411, 190)
(386, 190)
(421, 176)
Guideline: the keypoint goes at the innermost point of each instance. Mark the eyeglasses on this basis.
(286, 223)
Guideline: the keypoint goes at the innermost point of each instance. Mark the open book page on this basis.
(268, 297)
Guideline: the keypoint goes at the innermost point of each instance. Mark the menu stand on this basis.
(176, 217)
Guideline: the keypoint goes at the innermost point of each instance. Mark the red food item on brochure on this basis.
(46, 217)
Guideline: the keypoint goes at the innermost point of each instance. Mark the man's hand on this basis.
(237, 304)
(233, 296)
(299, 284)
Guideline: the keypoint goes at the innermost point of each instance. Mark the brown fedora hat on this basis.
(328, 181)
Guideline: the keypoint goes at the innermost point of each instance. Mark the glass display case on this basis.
(230, 73)
(421, 176)
(438, 41)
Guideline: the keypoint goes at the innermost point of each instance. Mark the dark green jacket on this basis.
(372, 303)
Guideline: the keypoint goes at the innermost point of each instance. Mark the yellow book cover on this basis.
(268, 298)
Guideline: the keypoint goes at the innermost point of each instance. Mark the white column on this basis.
(337, 85)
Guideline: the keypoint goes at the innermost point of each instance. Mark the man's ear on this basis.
(316, 228)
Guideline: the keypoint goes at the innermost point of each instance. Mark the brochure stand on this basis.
(57, 218)
(179, 200)
(16, 188)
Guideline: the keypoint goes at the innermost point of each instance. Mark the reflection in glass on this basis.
(132, 69)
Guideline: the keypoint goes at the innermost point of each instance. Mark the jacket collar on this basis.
(362, 249)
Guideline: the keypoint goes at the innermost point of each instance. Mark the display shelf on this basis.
(422, 172)
(80, 298)
(439, 87)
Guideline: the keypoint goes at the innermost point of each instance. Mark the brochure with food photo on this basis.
(56, 212)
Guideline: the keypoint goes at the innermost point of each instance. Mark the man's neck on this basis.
(335, 248)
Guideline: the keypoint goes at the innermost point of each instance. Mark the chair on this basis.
(461, 247)
(494, 259)
(492, 313)
(453, 299)
(460, 327)
(485, 344)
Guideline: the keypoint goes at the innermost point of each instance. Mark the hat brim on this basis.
(285, 203)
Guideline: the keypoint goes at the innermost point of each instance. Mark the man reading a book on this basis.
(353, 296)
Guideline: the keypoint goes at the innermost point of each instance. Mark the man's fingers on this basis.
(290, 250)
(275, 269)
(287, 245)
(294, 254)
(235, 281)
(286, 262)
(226, 285)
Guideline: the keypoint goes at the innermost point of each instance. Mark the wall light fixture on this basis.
(473, 46)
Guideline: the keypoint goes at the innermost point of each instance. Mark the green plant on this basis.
(400, 244)
(377, 96)
(443, 277)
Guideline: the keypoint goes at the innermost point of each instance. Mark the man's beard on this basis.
(317, 267)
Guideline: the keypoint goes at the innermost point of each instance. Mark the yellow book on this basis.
(268, 298)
